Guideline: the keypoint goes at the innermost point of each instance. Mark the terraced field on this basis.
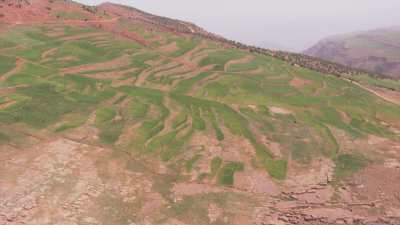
(184, 130)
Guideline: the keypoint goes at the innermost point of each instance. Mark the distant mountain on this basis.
(377, 51)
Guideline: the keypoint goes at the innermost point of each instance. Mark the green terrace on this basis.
(58, 85)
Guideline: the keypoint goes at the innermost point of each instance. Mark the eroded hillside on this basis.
(109, 119)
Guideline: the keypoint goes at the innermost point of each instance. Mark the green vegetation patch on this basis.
(105, 114)
(218, 132)
(220, 58)
(332, 117)
(110, 131)
(73, 123)
(155, 123)
(191, 162)
(4, 138)
(162, 142)
(6, 64)
(348, 164)
(216, 164)
(185, 45)
(30, 74)
(6, 44)
(217, 89)
(226, 174)
(185, 85)
(45, 106)
(70, 15)
(85, 51)
(267, 63)
(385, 83)
(180, 119)
(139, 61)
(277, 168)
(237, 124)
(138, 109)
(176, 145)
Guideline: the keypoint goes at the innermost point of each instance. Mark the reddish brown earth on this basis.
(299, 83)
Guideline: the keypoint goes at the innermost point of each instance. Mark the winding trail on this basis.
(142, 78)
(114, 64)
(7, 104)
(381, 95)
(48, 53)
(246, 59)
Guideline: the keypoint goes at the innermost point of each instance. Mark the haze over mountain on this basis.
(377, 51)
(275, 46)
(112, 115)
(292, 24)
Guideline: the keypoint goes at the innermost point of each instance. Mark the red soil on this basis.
(27, 12)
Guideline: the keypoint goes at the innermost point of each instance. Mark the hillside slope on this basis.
(110, 115)
(377, 51)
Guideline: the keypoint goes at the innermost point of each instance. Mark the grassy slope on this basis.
(237, 101)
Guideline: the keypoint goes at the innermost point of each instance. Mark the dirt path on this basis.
(7, 90)
(198, 57)
(121, 61)
(7, 104)
(146, 73)
(174, 68)
(246, 59)
(380, 94)
(299, 83)
(48, 53)
(15, 48)
(82, 36)
(115, 76)
(257, 71)
(168, 48)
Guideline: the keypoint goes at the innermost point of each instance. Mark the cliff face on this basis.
(377, 51)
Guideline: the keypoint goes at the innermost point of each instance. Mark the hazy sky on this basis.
(294, 24)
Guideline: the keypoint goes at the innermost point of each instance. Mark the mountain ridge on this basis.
(375, 50)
